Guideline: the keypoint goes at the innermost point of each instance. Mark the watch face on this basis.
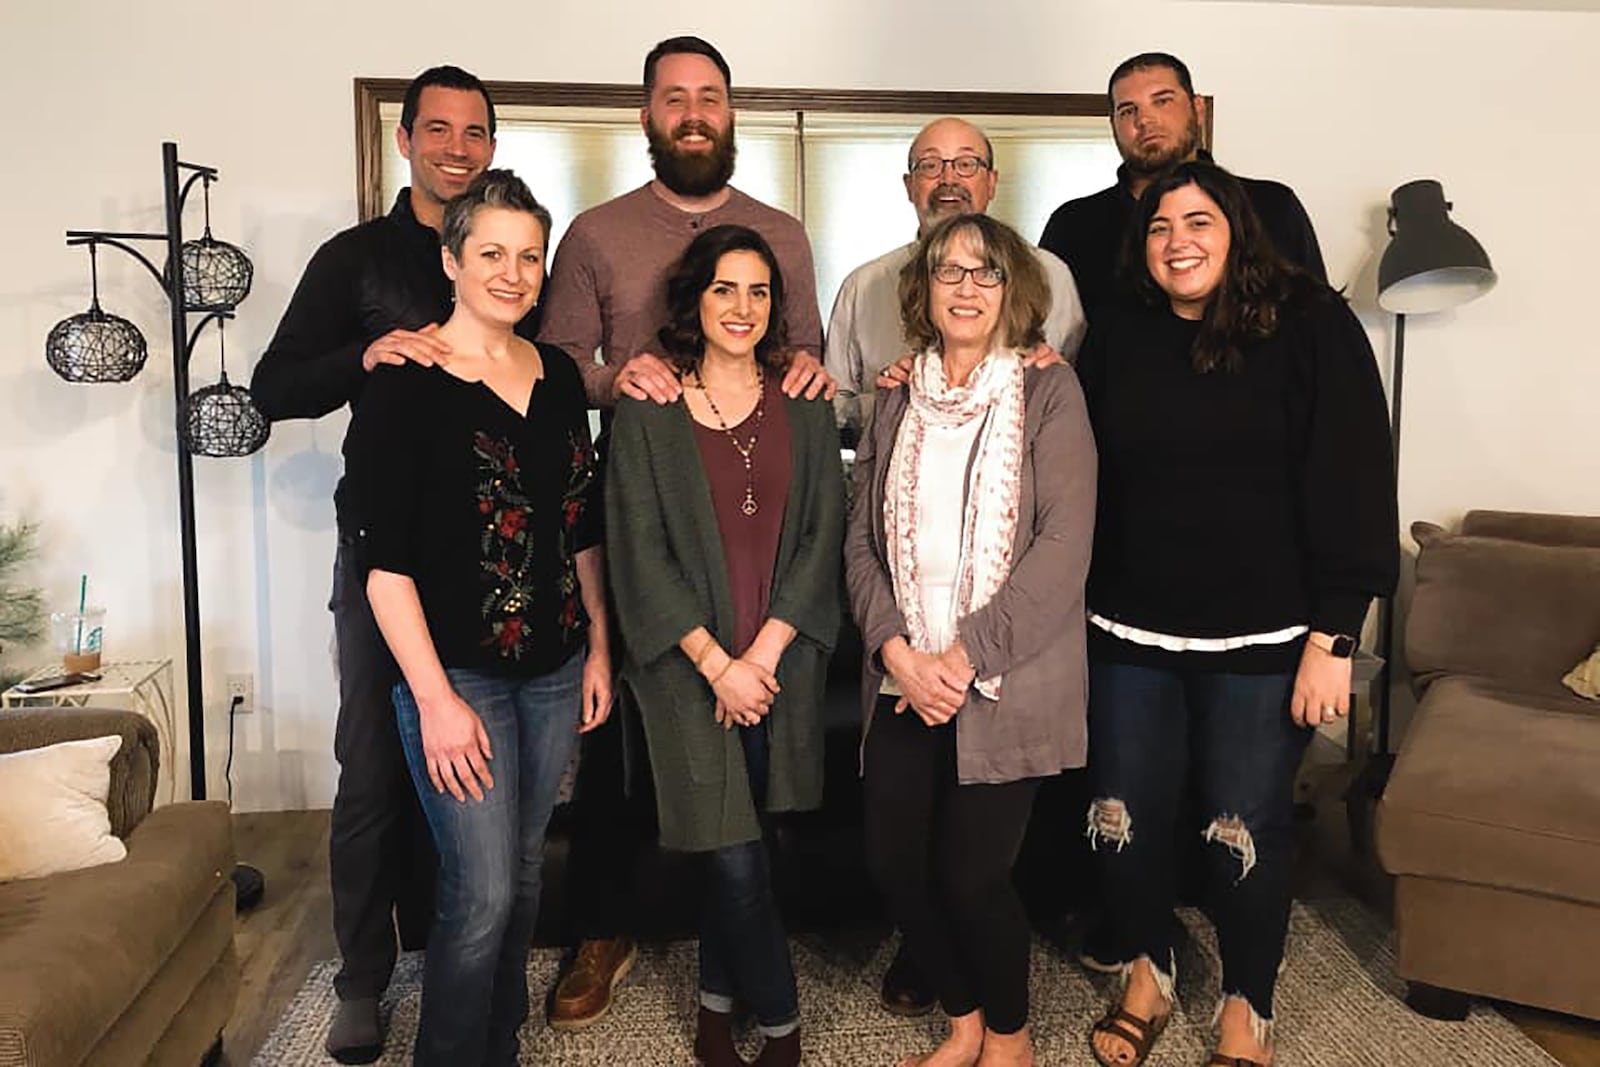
(1344, 646)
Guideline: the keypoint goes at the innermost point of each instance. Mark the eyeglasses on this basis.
(933, 166)
(986, 277)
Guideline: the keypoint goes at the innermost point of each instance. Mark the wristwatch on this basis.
(1341, 646)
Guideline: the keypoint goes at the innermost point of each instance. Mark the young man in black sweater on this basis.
(374, 294)
(1156, 120)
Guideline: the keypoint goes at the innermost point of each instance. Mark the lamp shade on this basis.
(1431, 263)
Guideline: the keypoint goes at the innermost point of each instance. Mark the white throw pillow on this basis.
(53, 814)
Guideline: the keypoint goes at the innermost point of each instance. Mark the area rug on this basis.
(1338, 1005)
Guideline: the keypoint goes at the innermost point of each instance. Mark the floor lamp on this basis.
(1431, 265)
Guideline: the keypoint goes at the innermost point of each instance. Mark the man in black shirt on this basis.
(1156, 121)
(374, 294)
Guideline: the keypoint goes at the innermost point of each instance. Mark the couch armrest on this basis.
(133, 769)
(1510, 610)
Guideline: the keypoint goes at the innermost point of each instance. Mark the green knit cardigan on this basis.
(668, 576)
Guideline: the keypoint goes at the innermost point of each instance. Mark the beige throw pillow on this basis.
(1584, 679)
(53, 809)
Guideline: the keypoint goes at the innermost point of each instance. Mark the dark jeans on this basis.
(1149, 730)
(380, 857)
(743, 950)
(491, 853)
(942, 853)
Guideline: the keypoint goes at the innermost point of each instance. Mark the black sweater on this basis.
(486, 510)
(1240, 502)
(1087, 234)
(382, 275)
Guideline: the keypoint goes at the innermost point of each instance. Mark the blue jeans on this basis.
(743, 949)
(475, 981)
(1150, 729)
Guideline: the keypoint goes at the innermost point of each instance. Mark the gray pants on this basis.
(381, 858)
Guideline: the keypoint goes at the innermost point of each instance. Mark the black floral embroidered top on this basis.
(485, 509)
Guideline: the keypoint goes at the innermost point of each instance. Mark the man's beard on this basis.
(936, 211)
(693, 173)
(1149, 166)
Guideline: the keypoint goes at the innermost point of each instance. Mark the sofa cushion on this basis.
(133, 769)
(54, 817)
(1518, 612)
(76, 949)
(1497, 788)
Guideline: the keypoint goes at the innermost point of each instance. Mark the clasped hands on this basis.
(744, 686)
(932, 685)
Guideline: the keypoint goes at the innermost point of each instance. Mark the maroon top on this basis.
(750, 542)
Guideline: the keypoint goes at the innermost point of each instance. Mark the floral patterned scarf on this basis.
(993, 393)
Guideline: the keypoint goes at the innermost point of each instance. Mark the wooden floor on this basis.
(280, 940)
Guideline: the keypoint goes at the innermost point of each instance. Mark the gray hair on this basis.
(499, 188)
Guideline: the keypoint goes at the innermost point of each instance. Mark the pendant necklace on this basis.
(747, 448)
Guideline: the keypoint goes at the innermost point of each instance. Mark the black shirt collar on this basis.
(402, 214)
(1122, 172)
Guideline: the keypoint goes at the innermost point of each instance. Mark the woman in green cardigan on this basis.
(725, 517)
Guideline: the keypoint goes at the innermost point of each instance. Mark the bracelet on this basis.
(725, 669)
(705, 650)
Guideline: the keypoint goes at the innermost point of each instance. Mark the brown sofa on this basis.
(1491, 818)
(130, 962)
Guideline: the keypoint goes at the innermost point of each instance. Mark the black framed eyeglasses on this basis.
(933, 166)
(985, 277)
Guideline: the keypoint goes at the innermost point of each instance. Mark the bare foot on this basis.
(1238, 1034)
(1007, 1050)
(961, 1049)
(1142, 998)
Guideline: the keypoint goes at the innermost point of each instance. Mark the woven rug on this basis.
(1338, 1005)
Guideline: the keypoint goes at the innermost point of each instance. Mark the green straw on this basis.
(83, 595)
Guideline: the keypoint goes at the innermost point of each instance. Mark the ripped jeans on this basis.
(1152, 729)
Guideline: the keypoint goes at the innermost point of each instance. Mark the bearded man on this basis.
(1156, 121)
(607, 299)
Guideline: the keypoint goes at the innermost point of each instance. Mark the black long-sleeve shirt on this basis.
(1240, 502)
(484, 509)
(1088, 234)
(382, 275)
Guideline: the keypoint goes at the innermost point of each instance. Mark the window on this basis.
(833, 159)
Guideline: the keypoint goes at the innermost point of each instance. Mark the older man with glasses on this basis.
(950, 171)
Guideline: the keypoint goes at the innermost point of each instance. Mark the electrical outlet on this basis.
(243, 688)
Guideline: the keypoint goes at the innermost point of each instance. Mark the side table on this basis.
(146, 684)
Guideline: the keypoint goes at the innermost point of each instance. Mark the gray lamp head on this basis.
(1431, 263)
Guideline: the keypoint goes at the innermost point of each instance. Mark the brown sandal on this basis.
(1140, 1034)
(1219, 1060)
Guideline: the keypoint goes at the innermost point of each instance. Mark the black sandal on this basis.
(1140, 1034)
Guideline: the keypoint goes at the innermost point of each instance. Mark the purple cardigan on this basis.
(1033, 628)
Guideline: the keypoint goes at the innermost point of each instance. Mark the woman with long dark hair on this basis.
(725, 517)
(1246, 520)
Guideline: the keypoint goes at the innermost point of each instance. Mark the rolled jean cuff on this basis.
(783, 1029)
(721, 1003)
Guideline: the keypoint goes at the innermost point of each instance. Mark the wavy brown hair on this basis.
(1257, 282)
(1026, 299)
(683, 339)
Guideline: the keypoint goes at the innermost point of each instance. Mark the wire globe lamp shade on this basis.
(216, 274)
(1431, 263)
(94, 346)
(222, 420)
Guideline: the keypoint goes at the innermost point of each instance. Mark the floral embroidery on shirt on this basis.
(507, 547)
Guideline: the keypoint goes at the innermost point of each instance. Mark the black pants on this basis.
(942, 853)
(612, 816)
(380, 855)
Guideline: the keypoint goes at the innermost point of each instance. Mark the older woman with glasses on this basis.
(965, 558)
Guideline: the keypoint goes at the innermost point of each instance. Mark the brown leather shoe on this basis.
(583, 995)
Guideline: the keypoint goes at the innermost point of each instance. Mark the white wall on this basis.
(1343, 102)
